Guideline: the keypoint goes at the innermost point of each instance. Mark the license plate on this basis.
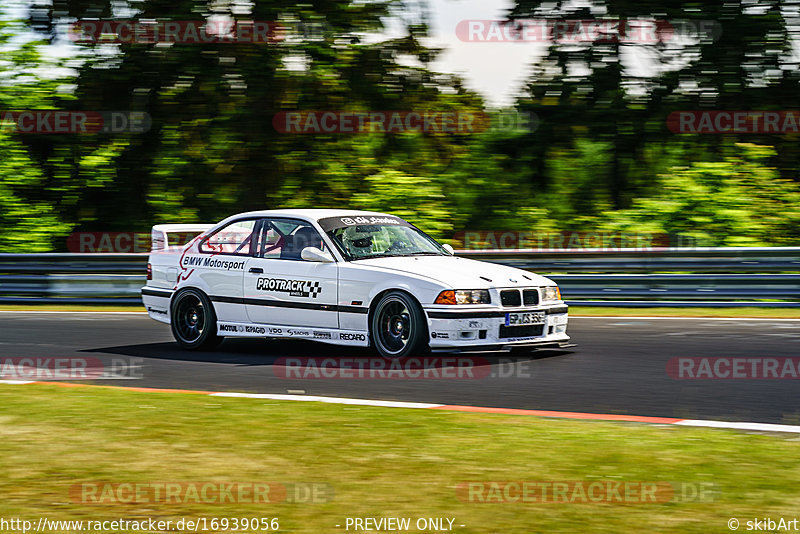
(514, 319)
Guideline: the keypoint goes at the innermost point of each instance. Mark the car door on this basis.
(218, 265)
(280, 287)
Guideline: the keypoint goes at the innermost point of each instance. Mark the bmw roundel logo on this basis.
(433, 335)
(348, 221)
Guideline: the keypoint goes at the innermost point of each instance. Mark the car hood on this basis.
(459, 273)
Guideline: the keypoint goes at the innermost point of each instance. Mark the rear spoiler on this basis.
(165, 236)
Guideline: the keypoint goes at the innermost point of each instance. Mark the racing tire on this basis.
(398, 328)
(193, 321)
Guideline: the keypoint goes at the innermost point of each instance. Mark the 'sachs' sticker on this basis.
(295, 288)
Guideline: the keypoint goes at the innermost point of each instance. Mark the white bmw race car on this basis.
(343, 277)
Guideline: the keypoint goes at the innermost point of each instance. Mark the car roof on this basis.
(309, 213)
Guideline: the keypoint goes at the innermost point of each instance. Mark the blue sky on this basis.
(496, 70)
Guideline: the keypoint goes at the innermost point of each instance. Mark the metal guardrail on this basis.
(655, 260)
(720, 276)
(72, 278)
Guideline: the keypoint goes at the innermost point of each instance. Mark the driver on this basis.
(357, 241)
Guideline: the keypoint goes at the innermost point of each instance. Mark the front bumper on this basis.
(479, 326)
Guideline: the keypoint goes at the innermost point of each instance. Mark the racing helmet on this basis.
(358, 241)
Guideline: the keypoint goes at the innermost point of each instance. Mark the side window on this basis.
(236, 238)
(285, 239)
(272, 243)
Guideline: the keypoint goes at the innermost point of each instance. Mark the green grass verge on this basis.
(72, 307)
(773, 313)
(379, 461)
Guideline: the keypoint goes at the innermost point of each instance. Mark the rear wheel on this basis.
(398, 326)
(194, 323)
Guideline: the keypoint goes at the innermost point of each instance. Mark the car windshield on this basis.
(388, 236)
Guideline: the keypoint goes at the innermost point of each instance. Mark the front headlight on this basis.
(463, 296)
(551, 293)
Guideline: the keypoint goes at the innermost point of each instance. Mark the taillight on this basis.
(149, 272)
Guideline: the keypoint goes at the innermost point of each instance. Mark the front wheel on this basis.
(398, 326)
(194, 323)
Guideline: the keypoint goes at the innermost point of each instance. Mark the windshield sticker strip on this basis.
(331, 223)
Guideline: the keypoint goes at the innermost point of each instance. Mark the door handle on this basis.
(257, 270)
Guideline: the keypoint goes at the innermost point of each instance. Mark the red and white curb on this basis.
(759, 427)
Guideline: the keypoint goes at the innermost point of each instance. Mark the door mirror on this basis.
(315, 254)
(449, 249)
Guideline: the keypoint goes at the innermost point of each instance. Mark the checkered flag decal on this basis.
(315, 289)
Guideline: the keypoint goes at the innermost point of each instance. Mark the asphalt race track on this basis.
(619, 365)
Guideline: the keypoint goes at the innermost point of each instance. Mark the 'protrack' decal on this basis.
(295, 288)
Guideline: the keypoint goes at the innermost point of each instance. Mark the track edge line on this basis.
(761, 427)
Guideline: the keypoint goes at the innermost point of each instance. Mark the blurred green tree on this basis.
(739, 201)
(28, 217)
(620, 91)
(213, 149)
(600, 156)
